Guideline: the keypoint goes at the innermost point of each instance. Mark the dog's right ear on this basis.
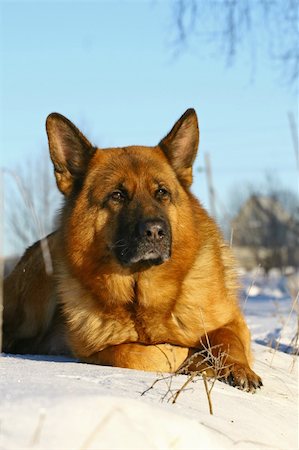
(70, 151)
(180, 146)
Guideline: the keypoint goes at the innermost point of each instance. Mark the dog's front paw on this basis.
(241, 377)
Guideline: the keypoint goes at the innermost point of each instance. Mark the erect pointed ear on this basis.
(180, 146)
(70, 151)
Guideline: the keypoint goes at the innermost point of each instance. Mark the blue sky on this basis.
(111, 67)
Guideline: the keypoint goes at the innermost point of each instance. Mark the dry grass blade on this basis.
(90, 438)
(253, 281)
(231, 237)
(37, 432)
(294, 305)
(208, 392)
(189, 379)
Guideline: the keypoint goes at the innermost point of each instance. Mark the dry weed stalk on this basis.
(231, 237)
(253, 281)
(40, 230)
(294, 307)
(293, 285)
(196, 365)
(294, 344)
(92, 435)
(39, 426)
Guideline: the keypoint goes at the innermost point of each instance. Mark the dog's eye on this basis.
(162, 194)
(117, 196)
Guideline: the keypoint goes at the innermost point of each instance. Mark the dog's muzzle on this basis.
(150, 243)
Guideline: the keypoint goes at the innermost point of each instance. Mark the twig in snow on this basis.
(195, 366)
(189, 379)
(37, 432)
(94, 432)
(208, 392)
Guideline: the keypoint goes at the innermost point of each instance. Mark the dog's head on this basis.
(123, 205)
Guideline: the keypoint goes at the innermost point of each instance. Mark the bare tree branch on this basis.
(231, 24)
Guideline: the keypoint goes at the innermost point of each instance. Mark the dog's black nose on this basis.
(152, 230)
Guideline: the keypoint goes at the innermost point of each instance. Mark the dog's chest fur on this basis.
(140, 314)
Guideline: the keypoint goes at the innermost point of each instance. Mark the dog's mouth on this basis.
(151, 257)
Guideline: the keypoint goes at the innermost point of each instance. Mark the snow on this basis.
(57, 403)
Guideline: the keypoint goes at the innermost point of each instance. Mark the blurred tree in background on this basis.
(232, 26)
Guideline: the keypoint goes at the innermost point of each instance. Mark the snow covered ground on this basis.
(54, 403)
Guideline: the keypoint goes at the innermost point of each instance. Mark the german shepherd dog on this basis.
(142, 277)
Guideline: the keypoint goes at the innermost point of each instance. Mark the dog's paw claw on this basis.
(242, 378)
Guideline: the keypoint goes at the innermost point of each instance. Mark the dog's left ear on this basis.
(181, 144)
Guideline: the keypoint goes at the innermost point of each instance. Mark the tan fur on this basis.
(149, 317)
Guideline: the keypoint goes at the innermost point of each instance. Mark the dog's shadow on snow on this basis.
(272, 341)
(49, 358)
